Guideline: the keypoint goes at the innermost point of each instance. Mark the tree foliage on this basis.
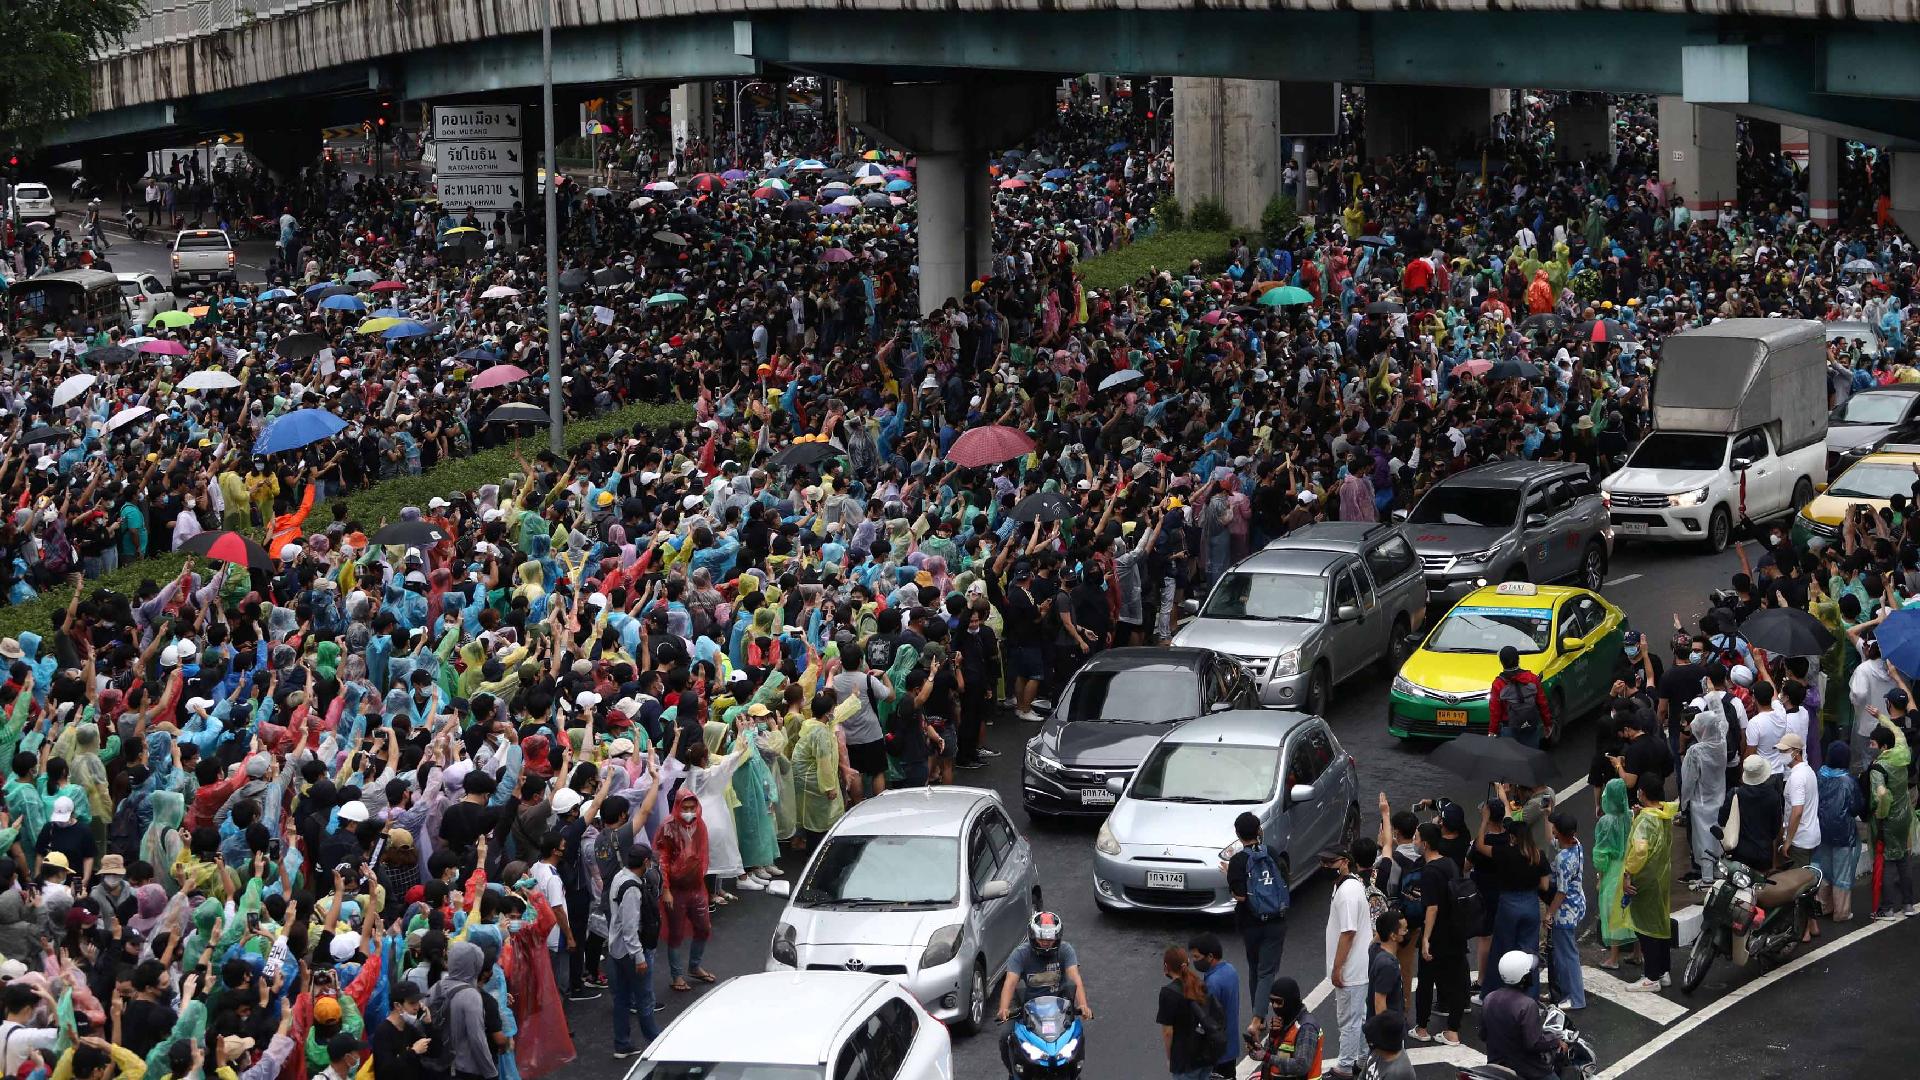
(50, 44)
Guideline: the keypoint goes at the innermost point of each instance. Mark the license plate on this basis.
(1451, 717)
(1096, 797)
(1165, 879)
(1631, 528)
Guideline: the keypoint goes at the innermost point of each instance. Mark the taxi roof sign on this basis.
(1516, 588)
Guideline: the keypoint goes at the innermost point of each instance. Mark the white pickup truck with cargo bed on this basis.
(203, 257)
(1739, 433)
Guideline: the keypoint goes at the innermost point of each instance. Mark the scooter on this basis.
(136, 229)
(1751, 918)
(1045, 1042)
(1575, 1059)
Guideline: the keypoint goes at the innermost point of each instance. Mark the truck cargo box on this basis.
(1744, 373)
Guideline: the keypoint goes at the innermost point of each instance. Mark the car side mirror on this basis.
(1346, 613)
(1220, 706)
(1401, 515)
(995, 889)
(1117, 785)
(1741, 464)
(1536, 521)
(1820, 488)
(1411, 641)
(1190, 607)
(1571, 644)
(1300, 793)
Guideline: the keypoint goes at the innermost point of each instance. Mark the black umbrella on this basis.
(517, 413)
(1043, 506)
(573, 280)
(674, 238)
(44, 433)
(410, 534)
(1513, 369)
(110, 354)
(1376, 241)
(1787, 632)
(301, 346)
(334, 290)
(1489, 759)
(800, 208)
(800, 455)
(612, 275)
(1385, 307)
(1546, 322)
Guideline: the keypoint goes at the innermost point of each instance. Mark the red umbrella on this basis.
(989, 445)
(498, 375)
(229, 547)
(387, 286)
(707, 181)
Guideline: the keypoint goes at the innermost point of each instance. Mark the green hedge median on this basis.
(1157, 251)
(380, 502)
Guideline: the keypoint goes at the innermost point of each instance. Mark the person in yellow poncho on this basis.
(1647, 882)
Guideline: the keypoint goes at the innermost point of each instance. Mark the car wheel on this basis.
(1593, 567)
(973, 1011)
(1550, 737)
(1397, 647)
(1318, 685)
(1719, 530)
(1802, 495)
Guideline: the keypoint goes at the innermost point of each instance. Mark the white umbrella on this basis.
(640, 203)
(209, 380)
(870, 181)
(662, 185)
(846, 200)
(499, 292)
(126, 416)
(72, 387)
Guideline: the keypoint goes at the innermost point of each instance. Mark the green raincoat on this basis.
(1892, 804)
(1609, 848)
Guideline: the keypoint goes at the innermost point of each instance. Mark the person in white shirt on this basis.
(1765, 727)
(18, 1038)
(1349, 932)
(1801, 836)
(1868, 690)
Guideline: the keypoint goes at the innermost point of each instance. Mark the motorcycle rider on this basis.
(1287, 1042)
(1043, 967)
(1510, 1023)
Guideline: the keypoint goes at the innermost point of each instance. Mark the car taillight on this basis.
(231, 258)
(139, 299)
(176, 262)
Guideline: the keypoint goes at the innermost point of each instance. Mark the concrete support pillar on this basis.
(1401, 119)
(956, 223)
(1793, 143)
(691, 108)
(1823, 177)
(1227, 144)
(1583, 130)
(1698, 155)
(1903, 195)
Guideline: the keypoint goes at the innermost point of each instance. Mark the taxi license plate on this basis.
(1451, 717)
(1631, 528)
(1096, 797)
(1165, 879)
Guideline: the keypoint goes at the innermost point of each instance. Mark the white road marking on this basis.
(1319, 993)
(1624, 578)
(1460, 1057)
(1602, 984)
(1734, 997)
(1568, 792)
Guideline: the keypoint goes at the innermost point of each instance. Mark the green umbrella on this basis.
(1285, 296)
(658, 299)
(173, 319)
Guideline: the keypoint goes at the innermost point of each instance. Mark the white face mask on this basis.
(688, 816)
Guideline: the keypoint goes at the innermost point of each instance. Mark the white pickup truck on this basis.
(1740, 424)
(203, 257)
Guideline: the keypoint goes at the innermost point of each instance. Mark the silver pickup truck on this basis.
(1313, 609)
(203, 257)
(1538, 521)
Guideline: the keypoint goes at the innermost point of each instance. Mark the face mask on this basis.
(688, 816)
(513, 926)
(111, 881)
(1695, 657)
(1633, 652)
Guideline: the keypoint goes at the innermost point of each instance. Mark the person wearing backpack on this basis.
(1838, 855)
(633, 932)
(1398, 875)
(1193, 1029)
(1223, 986)
(1258, 881)
(1517, 704)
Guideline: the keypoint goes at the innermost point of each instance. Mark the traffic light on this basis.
(383, 121)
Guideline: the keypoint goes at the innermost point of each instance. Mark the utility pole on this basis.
(556, 401)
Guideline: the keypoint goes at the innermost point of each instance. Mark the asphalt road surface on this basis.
(1761, 1026)
(1768, 1025)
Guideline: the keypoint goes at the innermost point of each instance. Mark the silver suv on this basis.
(1538, 521)
(1313, 609)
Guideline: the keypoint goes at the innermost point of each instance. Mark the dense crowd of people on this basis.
(342, 801)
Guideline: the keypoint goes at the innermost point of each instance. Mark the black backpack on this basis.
(1522, 705)
(439, 1058)
(1465, 905)
(1210, 1029)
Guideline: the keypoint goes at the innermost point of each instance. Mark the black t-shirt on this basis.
(465, 823)
(1508, 868)
(1182, 1014)
(1648, 754)
(906, 738)
(1384, 978)
(1436, 888)
(1678, 686)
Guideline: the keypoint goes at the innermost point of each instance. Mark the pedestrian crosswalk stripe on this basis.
(1649, 1004)
(1460, 1057)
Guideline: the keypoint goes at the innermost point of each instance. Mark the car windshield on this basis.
(724, 1070)
(206, 241)
(1459, 504)
(1206, 773)
(1267, 597)
(1138, 695)
(1872, 409)
(31, 191)
(1474, 629)
(1685, 453)
(1875, 480)
(129, 288)
(883, 872)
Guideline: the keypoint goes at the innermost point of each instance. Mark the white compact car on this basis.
(146, 296)
(32, 201)
(801, 1025)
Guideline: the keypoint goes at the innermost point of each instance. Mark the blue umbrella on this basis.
(321, 286)
(1057, 174)
(1091, 166)
(235, 301)
(476, 354)
(343, 302)
(1049, 186)
(897, 185)
(276, 294)
(388, 313)
(405, 330)
(1899, 637)
(1117, 147)
(835, 210)
(297, 429)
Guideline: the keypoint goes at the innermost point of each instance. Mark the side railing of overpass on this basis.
(169, 21)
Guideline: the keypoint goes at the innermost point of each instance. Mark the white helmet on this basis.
(1515, 967)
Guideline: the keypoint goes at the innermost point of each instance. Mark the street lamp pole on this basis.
(556, 410)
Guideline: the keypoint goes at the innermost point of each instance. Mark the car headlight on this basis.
(1104, 843)
(783, 949)
(1477, 557)
(1405, 686)
(1039, 762)
(1287, 663)
(1688, 498)
(941, 947)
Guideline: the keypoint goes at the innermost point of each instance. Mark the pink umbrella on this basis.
(1474, 367)
(499, 375)
(1210, 318)
(163, 348)
(836, 255)
(989, 445)
(1012, 184)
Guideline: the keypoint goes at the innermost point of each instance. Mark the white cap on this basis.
(691, 502)
(62, 811)
(566, 801)
(346, 943)
(648, 477)
(170, 656)
(415, 577)
(437, 503)
(199, 704)
(290, 551)
(354, 811)
(620, 747)
(189, 652)
(586, 699)
(627, 707)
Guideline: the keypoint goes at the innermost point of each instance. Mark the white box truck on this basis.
(1739, 433)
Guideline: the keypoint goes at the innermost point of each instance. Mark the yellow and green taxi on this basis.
(1873, 480)
(1570, 637)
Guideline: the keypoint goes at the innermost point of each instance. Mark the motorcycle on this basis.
(1045, 1041)
(136, 229)
(1749, 917)
(1575, 1058)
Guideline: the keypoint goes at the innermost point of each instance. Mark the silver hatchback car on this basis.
(1165, 845)
(930, 887)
